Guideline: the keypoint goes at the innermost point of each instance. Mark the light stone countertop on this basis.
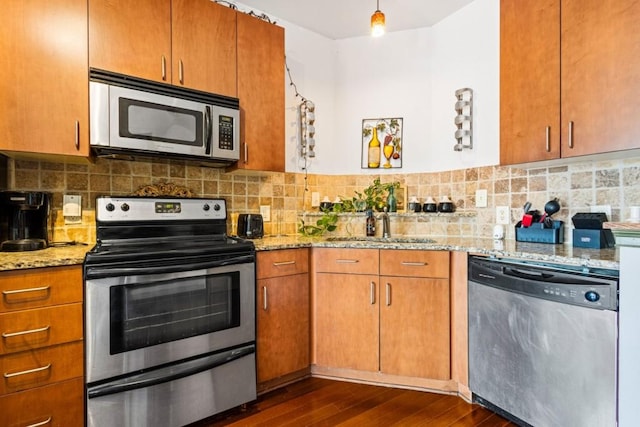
(564, 254)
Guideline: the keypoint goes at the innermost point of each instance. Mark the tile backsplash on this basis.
(578, 186)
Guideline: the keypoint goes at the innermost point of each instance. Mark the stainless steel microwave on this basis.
(131, 117)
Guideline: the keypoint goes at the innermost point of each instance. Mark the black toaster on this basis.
(250, 226)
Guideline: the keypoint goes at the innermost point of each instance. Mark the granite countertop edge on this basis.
(562, 254)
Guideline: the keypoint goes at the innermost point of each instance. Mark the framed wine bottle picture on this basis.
(381, 143)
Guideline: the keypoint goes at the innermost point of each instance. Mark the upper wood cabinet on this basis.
(261, 93)
(189, 43)
(568, 78)
(44, 82)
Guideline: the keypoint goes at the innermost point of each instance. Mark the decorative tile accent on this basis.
(577, 185)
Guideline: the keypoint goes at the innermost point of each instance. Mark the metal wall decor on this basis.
(307, 118)
(382, 143)
(464, 119)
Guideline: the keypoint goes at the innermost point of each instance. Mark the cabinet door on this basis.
(414, 327)
(600, 69)
(131, 37)
(261, 93)
(43, 80)
(36, 368)
(282, 262)
(40, 287)
(41, 327)
(55, 405)
(346, 321)
(204, 46)
(529, 81)
(283, 326)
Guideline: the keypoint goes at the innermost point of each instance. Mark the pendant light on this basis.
(377, 21)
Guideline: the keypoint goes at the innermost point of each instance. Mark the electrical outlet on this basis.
(502, 215)
(315, 199)
(602, 208)
(481, 198)
(265, 211)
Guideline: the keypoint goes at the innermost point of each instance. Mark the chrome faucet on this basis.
(386, 224)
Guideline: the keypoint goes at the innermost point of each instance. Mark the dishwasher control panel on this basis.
(554, 284)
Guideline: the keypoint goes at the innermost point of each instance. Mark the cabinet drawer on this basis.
(412, 263)
(343, 260)
(284, 262)
(56, 405)
(36, 368)
(40, 327)
(23, 289)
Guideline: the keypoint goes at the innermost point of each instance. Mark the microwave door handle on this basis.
(208, 129)
(169, 373)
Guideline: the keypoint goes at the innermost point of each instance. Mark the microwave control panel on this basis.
(225, 132)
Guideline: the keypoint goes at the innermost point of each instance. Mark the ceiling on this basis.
(339, 19)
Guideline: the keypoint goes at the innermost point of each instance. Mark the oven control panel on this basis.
(154, 208)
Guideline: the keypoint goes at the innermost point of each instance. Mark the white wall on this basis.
(410, 74)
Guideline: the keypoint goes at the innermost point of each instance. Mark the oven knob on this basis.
(206, 207)
(216, 207)
(124, 207)
(592, 296)
(110, 207)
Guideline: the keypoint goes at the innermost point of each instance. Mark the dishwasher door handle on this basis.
(526, 274)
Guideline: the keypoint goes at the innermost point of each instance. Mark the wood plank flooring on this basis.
(321, 402)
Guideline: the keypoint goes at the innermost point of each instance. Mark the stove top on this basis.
(130, 229)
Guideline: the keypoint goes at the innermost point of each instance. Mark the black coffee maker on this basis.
(24, 220)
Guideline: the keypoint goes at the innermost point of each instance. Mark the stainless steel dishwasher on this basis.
(543, 342)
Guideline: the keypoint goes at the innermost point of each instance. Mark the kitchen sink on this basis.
(399, 239)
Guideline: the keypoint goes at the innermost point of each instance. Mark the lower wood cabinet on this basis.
(383, 312)
(282, 316)
(41, 348)
(56, 405)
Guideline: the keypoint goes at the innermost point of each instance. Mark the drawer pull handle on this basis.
(347, 261)
(43, 423)
(281, 263)
(77, 135)
(570, 134)
(31, 331)
(548, 138)
(372, 291)
(415, 264)
(21, 291)
(30, 371)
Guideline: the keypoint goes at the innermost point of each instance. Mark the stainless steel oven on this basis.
(170, 313)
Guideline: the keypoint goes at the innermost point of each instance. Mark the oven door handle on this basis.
(169, 373)
(98, 272)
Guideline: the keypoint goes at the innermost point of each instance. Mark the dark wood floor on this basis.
(320, 402)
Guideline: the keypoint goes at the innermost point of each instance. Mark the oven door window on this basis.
(146, 314)
(162, 123)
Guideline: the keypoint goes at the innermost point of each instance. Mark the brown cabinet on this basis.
(282, 316)
(44, 81)
(415, 313)
(189, 43)
(568, 81)
(41, 353)
(384, 311)
(261, 93)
